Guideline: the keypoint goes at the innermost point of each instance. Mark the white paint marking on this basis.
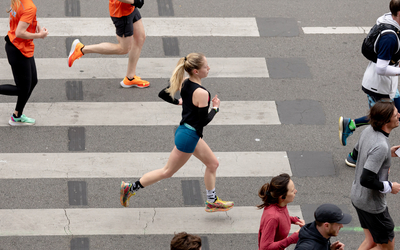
(129, 165)
(172, 26)
(131, 221)
(140, 113)
(107, 68)
(335, 30)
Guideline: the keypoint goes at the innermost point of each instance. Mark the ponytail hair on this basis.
(188, 64)
(14, 5)
(270, 192)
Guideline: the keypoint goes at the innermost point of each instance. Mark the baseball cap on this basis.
(332, 214)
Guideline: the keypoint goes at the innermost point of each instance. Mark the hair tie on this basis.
(268, 193)
(185, 58)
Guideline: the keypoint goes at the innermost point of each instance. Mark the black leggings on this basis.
(25, 76)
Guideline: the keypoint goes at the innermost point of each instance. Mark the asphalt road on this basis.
(336, 66)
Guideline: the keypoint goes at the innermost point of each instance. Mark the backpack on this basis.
(368, 47)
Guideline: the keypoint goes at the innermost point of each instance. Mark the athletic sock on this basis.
(211, 195)
(130, 78)
(82, 49)
(136, 186)
(16, 116)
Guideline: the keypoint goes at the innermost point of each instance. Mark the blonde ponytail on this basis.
(188, 64)
(14, 5)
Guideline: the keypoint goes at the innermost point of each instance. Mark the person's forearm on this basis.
(127, 1)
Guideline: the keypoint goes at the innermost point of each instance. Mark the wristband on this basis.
(216, 109)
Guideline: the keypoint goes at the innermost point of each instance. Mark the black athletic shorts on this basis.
(124, 25)
(381, 226)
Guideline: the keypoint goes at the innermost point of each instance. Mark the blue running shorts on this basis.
(186, 138)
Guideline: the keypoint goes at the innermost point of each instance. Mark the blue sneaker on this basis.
(350, 161)
(344, 130)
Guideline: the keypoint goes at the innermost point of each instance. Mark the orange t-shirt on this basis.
(119, 9)
(26, 12)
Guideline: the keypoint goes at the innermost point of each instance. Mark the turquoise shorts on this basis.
(186, 138)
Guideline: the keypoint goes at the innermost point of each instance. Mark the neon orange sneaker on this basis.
(136, 82)
(75, 52)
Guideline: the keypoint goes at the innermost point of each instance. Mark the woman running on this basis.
(20, 48)
(188, 137)
(275, 221)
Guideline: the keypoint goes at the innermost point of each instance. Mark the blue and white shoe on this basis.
(350, 161)
(344, 130)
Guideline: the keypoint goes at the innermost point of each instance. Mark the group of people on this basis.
(195, 99)
(276, 222)
(371, 156)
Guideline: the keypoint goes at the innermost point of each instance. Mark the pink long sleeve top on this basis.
(274, 228)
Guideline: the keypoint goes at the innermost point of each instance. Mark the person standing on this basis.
(189, 135)
(380, 79)
(130, 36)
(275, 221)
(20, 49)
(329, 219)
(371, 184)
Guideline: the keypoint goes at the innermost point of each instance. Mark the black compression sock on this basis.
(136, 186)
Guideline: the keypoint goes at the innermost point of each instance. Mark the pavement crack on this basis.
(67, 228)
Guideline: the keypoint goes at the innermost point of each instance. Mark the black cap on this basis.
(332, 214)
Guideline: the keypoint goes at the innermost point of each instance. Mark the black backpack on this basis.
(368, 47)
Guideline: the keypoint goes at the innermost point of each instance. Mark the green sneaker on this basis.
(22, 121)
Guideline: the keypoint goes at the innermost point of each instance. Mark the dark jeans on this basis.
(25, 76)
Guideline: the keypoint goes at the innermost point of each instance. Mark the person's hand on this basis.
(180, 101)
(393, 149)
(43, 32)
(337, 246)
(300, 223)
(215, 102)
(395, 187)
(138, 3)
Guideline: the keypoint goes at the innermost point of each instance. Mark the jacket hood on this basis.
(310, 231)
(387, 18)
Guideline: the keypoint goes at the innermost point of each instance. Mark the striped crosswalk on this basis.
(150, 218)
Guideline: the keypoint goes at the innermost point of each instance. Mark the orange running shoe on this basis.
(136, 82)
(75, 52)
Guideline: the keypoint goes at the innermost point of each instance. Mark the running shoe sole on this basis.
(133, 85)
(12, 123)
(218, 209)
(350, 164)
(341, 130)
(74, 43)
(122, 195)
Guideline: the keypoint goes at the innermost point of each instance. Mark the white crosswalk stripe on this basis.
(106, 68)
(141, 113)
(243, 27)
(125, 165)
(108, 221)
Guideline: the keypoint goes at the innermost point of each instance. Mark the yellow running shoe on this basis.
(219, 205)
(136, 82)
(125, 193)
(75, 52)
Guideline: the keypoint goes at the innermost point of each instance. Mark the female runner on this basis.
(188, 137)
(20, 48)
(275, 221)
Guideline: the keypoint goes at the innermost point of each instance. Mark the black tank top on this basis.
(190, 113)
